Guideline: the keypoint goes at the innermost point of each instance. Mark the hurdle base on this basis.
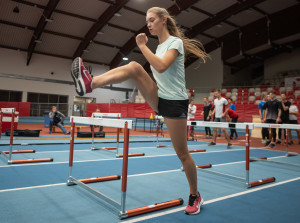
(197, 151)
(130, 155)
(31, 161)
(257, 159)
(19, 151)
(160, 146)
(261, 182)
(292, 154)
(95, 180)
(103, 148)
(205, 166)
(151, 208)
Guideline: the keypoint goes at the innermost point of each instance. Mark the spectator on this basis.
(231, 105)
(293, 112)
(57, 118)
(232, 116)
(95, 115)
(285, 106)
(272, 114)
(264, 131)
(206, 110)
(220, 111)
(191, 116)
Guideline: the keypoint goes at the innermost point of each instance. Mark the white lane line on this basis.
(133, 175)
(138, 157)
(211, 201)
(34, 187)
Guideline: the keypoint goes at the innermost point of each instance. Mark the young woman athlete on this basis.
(168, 97)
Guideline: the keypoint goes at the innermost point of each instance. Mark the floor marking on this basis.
(109, 159)
(212, 201)
(133, 175)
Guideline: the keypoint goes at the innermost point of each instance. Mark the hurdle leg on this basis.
(11, 136)
(0, 123)
(118, 139)
(247, 156)
(70, 182)
(123, 213)
(286, 143)
(93, 135)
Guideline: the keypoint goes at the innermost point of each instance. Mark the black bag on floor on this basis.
(24, 132)
(89, 134)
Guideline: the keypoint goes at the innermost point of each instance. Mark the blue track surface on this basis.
(38, 193)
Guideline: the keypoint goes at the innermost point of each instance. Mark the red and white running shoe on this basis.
(81, 76)
(194, 205)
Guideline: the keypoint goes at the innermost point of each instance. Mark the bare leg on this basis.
(226, 135)
(144, 83)
(214, 135)
(177, 130)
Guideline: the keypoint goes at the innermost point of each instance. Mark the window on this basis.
(13, 96)
(44, 102)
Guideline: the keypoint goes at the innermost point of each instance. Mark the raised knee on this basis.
(134, 67)
(183, 156)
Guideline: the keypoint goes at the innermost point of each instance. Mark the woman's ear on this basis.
(164, 20)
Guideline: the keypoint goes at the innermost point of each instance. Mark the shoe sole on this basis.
(212, 145)
(76, 75)
(198, 211)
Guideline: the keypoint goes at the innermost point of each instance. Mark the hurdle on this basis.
(118, 207)
(287, 153)
(8, 154)
(114, 149)
(245, 180)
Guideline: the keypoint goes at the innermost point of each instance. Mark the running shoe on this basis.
(272, 145)
(229, 145)
(212, 144)
(236, 137)
(194, 205)
(81, 76)
(268, 143)
(278, 142)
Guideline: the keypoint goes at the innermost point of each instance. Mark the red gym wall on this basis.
(22, 107)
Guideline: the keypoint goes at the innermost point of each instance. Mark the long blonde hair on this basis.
(192, 46)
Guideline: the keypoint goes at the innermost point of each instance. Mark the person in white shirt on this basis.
(191, 117)
(220, 111)
(96, 116)
(293, 110)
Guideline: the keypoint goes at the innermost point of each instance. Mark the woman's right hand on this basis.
(141, 39)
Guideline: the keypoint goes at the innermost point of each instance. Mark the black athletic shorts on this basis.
(173, 109)
(295, 122)
(272, 121)
(222, 119)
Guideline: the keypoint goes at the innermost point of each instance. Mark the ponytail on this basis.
(191, 46)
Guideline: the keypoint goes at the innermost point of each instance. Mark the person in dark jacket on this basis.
(57, 118)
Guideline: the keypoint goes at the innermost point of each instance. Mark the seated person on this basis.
(96, 116)
(57, 118)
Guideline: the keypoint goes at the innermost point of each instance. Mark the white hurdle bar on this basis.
(106, 115)
(119, 207)
(8, 154)
(247, 127)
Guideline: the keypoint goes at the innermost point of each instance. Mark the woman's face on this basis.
(154, 23)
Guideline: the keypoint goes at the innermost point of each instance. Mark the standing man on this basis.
(95, 115)
(285, 106)
(264, 131)
(220, 111)
(231, 105)
(57, 118)
(293, 120)
(232, 116)
(272, 114)
(206, 110)
(191, 116)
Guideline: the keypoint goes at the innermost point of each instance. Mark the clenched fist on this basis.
(141, 39)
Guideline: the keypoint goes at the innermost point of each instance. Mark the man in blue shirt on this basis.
(231, 105)
(264, 131)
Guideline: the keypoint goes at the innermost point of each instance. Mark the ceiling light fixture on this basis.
(117, 14)
(125, 58)
(100, 33)
(38, 41)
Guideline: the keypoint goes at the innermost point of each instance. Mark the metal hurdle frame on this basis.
(110, 149)
(8, 154)
(119, 207)
(245, 180)
(287, 153)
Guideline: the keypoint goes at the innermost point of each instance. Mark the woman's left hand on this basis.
(141, 39)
